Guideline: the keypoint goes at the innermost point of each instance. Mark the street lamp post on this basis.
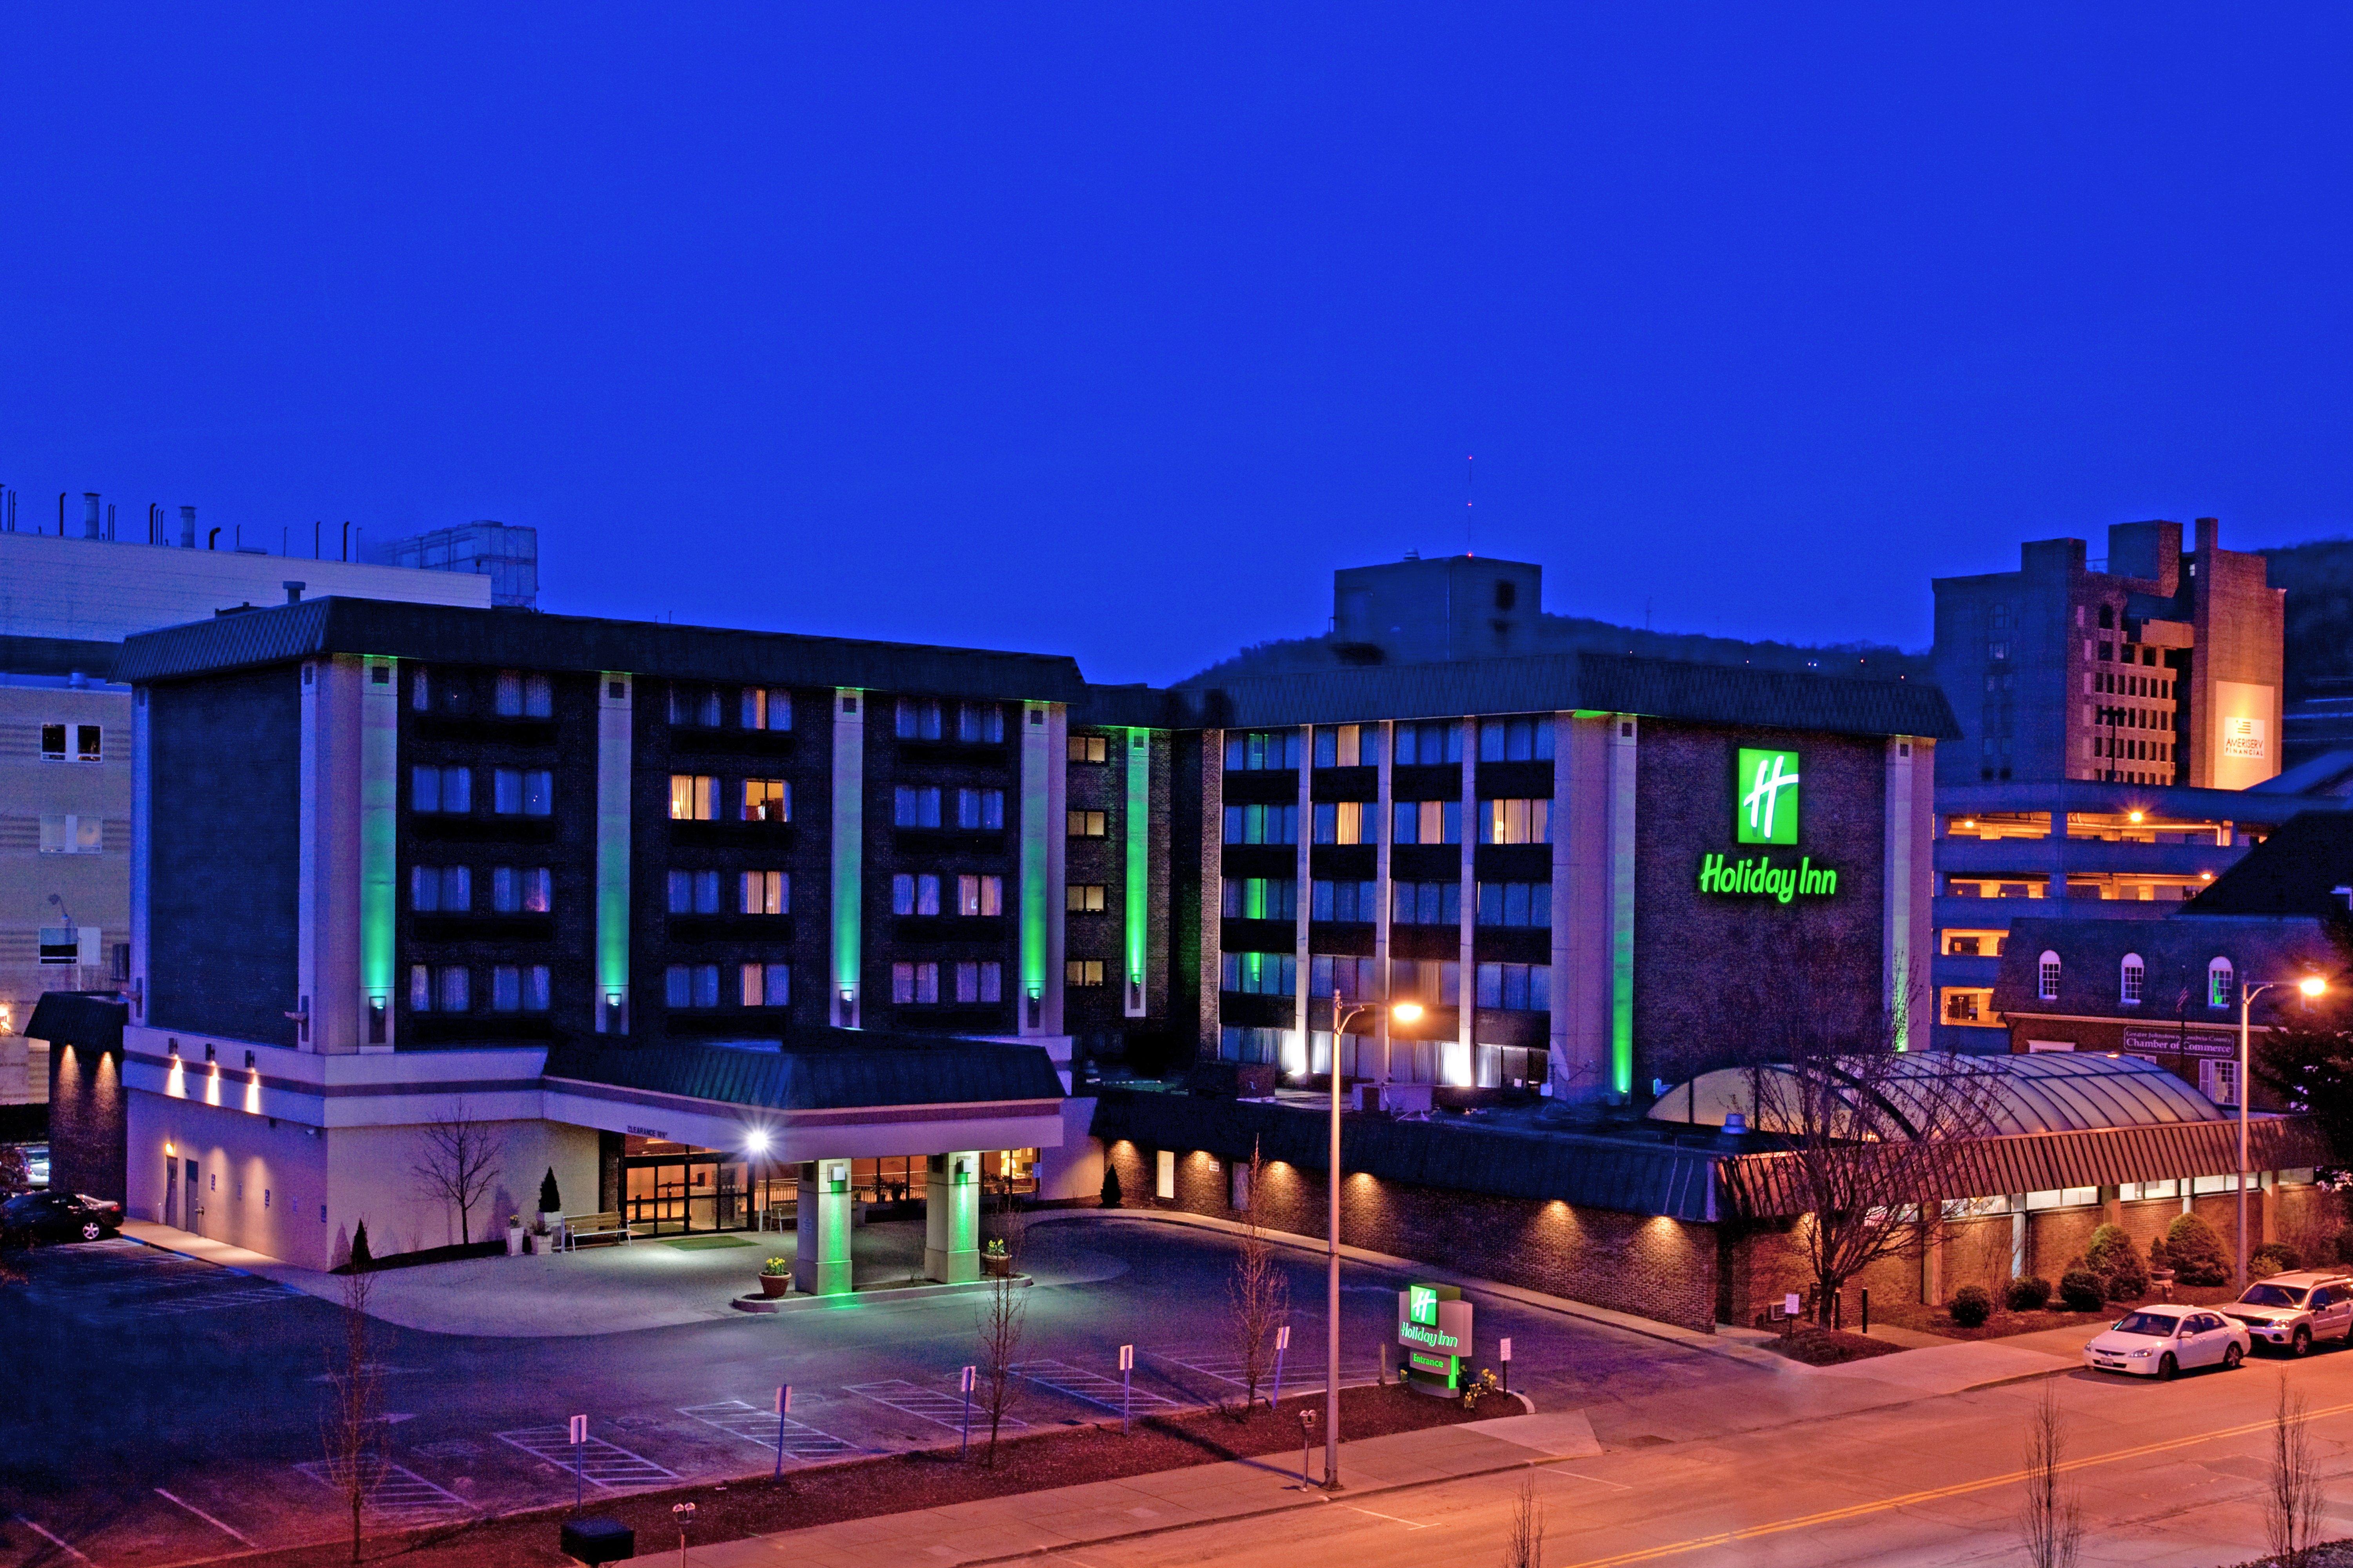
(1403, 1012)
(2311, 985)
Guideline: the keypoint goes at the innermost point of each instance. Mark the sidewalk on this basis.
(1102, 1511)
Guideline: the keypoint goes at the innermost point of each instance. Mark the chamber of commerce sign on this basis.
(1765, 804)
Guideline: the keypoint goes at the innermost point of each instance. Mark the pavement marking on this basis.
(208, 1519)
(1932, 1494)
(1579, 1475)
(754, 1425)
(61, 1545)
(602, 1464)
(213, 1301)
(1299, 1373)
(1391, 1517)
(1091, 1387)
(397, 1492)
(929, 1405)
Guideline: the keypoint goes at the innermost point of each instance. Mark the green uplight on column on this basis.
(1139, 850)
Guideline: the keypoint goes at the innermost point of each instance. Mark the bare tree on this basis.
(1865, 1140)
(1524, 1548)
(1004, 1316)
(2053, 1521)
(353, 1427)
(457, 1163)
(1258, 1289)
(2294, 1501)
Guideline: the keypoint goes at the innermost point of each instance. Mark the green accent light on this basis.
(379, 826)
(1766, 809)
(849, 849)
(613, 780)
(1034, 828)
(1139, 848)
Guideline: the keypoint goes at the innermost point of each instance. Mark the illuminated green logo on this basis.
(1768, 810)
(1421, 1305)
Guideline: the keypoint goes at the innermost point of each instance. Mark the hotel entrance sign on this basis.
(1434, 1327)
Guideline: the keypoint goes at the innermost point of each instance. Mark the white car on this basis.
(2160, 1341)
(2289, 1311)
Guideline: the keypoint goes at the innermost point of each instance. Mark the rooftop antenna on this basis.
(1470, 471)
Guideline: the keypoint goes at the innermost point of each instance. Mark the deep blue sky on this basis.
(1107, 331)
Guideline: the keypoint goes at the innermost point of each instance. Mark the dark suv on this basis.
(59, 1216)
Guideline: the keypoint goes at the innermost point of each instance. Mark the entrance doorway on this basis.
(672, 1189)
(172, 1191)
(191, 1211)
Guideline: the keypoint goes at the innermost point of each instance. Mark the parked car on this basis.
(59, 1216)
(2160, 1341)
(2291, 1313)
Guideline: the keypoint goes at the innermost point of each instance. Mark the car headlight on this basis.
(2139, 1355)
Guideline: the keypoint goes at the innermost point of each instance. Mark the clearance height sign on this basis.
(1767, 811)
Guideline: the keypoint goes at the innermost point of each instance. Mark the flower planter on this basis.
(1002, 1267)
(775, 1284)
(514, 1241)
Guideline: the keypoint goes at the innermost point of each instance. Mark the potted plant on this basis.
(996, 1261)
(514, 1236)
(777, 1276)
(551, 1205)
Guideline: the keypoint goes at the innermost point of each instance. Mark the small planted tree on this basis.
(2113, 1256)
(1524, 1547)
(1257, 1289)
(1004, 1319)
(549, 1200)
(2295, 1503)
(457, 1160)
(362, 1260)
(351, 1428)
(2052, 1520)
(1111, 1196)
(2194, 1251)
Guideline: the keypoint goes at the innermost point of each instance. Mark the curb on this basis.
(879, 1296)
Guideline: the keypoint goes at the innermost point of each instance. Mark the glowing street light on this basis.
(2311, 985)
(1402, 1013)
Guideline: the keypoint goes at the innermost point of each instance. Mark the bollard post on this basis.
(579, 1440)
(1866, 1309)
(1282, 1343)
(1126, 1385)
(963, 1438)
(784, 1408)
(1503, 1354)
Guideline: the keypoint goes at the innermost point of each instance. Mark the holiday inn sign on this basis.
(1765, 804)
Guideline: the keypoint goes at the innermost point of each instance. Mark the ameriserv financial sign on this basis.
(1767, 801)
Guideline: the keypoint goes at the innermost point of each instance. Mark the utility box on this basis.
(598, 1541)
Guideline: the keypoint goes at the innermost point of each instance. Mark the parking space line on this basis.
(601, 1464)
(1299, 1373)
(395, 1491)
(208, 1519)
(754, 1425)
(63, 1546)
(1091, 1387)
(929, 1405)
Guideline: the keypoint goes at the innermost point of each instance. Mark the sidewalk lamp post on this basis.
(1402, 1013)
(2311, 985)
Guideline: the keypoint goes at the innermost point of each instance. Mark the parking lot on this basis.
(195, 1393)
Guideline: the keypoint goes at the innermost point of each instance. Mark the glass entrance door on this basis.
(684, 1194)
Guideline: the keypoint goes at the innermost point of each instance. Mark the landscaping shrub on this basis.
(2157, 1254)
(361, 1257)
(2273, 1258)
(2195, 1251)
(2113, 1256)
(549, 1201)
(1970, 1306)
(2081, 1290)
(1110, 1194)
(2030, 1294)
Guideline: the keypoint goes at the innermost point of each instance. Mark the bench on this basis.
(580, 1227)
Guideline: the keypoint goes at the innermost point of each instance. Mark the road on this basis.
(160, 1410)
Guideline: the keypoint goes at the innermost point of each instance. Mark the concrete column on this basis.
(821, 1259)
(615, 722)
(1302, 1004)
(1384, 799)
(952, 1218)
(2112, 1206)
(848, 856)
(1457, 1070)
(1932, 1264)
(2266, 1220)
(2020, 1253)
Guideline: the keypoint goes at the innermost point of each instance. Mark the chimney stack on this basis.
(89, 514)
(187, 528)
(293, 591)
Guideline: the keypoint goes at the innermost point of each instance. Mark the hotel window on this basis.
(521, 889)
(1430, 741)
(1084, 898)
(1260, 899)
(695, 705)
(692, 797)
(420, 691)
(443, 988)
(914, 895)
(1514, 739)
(767, 708)
(1433, 983)
(981, 982)
(918, 719)
(914, 983)
(980, 895)
(443, 889)
(1348, 746)
(981, 808)
(691, 985)
(2128, 984)
(1259, 824)
(915, 805)
(1345, 901)
(87, 743)
(2218, 1080)
(1083, 972)
(767, 985)
(1428, 822)
(1515, 987)
(449, 791)
(530, 791)
(1340, 822)
(519, 988)
(1357, 978)
(1255, 749)
(1092, 824)
(765, 893)
(694, 892)
(1261, 974)
(980, 721)
(1515, 822)
(69, 833)
(768, 800)
(1515, 904)
(1426, 903)
(522, 696)
(1089, 749)
(2220, 978)
(2046, 977)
